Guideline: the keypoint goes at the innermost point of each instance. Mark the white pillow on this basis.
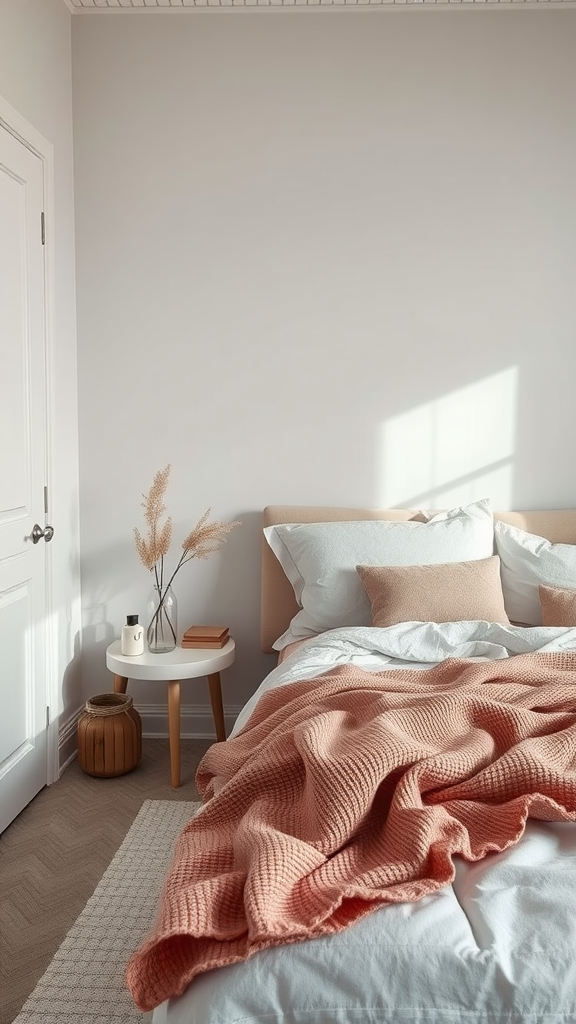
(320, 560)
(526, 562)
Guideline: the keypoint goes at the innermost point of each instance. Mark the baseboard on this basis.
(68, 740)
(196, 720)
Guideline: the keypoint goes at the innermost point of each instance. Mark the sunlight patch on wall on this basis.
(456, 449)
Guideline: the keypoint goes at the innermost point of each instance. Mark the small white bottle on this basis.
(132, 642)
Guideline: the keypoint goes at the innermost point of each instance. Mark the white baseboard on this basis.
(68, 740)
(196, 720)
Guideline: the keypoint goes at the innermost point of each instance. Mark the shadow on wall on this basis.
(107, 571)
(223, 589)
(232, 597)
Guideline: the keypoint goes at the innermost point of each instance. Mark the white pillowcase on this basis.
(526, 561)
(320, 560)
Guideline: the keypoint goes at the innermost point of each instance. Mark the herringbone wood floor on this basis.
(56, 851)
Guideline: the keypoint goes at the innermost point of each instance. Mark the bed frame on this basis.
(278, 604)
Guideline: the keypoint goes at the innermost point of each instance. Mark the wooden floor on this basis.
(56, 851)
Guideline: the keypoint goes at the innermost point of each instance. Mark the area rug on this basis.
(85, 980)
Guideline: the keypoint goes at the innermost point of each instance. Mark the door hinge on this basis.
(47, 716)
(45, 501)
(43, 227)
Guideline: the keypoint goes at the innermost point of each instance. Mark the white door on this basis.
(23, 630)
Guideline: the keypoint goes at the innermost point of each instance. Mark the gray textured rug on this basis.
(85, 980)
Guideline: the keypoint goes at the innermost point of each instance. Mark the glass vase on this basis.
(162, 619)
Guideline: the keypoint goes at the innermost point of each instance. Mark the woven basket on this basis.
(109, 735)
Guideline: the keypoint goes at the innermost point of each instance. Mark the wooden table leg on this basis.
(174, 730)
(217, 709)
(120, 684)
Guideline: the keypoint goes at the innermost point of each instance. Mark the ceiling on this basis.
(113, 6)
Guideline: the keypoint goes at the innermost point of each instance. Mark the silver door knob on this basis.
(38, 533)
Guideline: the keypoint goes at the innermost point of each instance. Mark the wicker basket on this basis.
(109, 735)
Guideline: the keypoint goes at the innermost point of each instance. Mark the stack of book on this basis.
(205, 636)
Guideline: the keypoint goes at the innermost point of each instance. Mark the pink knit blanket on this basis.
(354, 790)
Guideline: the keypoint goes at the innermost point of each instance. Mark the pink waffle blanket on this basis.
(354, 790)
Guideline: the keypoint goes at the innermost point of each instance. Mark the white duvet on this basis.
(498, 946)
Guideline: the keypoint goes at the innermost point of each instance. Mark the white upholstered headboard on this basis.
(278, 604)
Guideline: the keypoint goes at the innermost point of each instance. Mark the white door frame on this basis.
(22, 130)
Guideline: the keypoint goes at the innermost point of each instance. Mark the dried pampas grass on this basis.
(202, 541)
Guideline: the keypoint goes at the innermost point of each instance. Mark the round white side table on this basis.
(173, 667)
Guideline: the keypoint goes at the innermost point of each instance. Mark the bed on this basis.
(480, 939)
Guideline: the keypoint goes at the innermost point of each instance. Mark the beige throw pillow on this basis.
(447, 592)
(558, 606)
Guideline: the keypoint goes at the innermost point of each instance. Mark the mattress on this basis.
(495, 946)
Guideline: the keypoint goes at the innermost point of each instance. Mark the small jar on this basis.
(132, 642)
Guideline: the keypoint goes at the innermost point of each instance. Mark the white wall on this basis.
(36, 79)
(323, 257)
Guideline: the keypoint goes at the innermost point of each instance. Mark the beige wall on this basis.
(36, 80)
(323, 257)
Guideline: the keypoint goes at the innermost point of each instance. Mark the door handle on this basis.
(38, 533)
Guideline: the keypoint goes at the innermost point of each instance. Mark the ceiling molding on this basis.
(187, 6)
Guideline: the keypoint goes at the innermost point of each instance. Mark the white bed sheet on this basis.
(495, 947)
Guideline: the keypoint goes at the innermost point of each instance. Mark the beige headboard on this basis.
(278, 604)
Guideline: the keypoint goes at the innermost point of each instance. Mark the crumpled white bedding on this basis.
(408, 645)
(495, 947)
